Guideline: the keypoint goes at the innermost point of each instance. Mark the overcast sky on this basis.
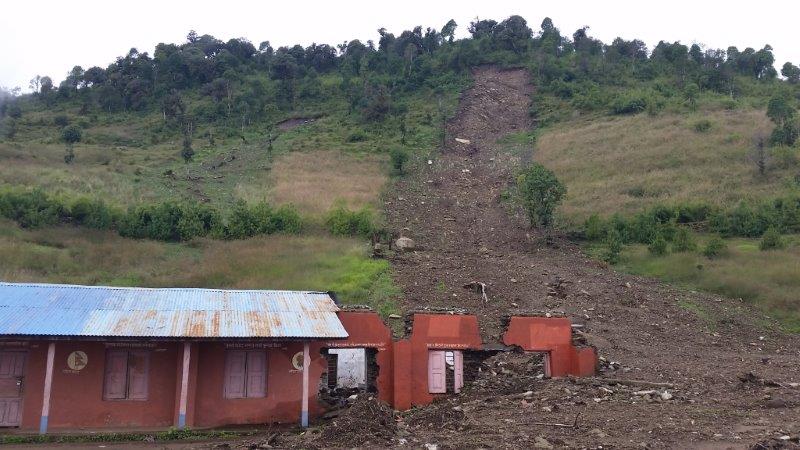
(48, 37)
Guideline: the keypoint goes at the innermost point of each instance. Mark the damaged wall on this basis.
(429, 332)
(552, 335)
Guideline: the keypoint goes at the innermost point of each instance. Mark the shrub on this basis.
(629, 103)
(658, 247)
(398, 159)
(541, 193)
(613, 247)
(159, 222)
(356, 136)
(344, 222)
(61, 120)
(71, 134)
(91, 213)
(715, 247)
(771, 240)
(701, 126)
(594, 229)
(683, 241)
(243, 222)
(31, 209)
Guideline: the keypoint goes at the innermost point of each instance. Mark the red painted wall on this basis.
(429, 332)
(284, 388)
(366, 329)
(552, 335)
(77, 396)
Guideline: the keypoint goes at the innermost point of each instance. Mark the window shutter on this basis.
(436, 372)
(138, 371)
(115, 384)
(458, 369)
(256, 374)
(235, 374)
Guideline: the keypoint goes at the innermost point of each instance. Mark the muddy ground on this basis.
(724, 379)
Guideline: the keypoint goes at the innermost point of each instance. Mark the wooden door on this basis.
(436, 372)
(458, 371)
(12, 382)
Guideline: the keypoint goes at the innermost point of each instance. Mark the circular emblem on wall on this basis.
(77, 360)
(297, 361)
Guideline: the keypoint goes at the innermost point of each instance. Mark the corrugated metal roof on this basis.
(70, 310)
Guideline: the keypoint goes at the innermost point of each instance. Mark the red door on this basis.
(12, 378)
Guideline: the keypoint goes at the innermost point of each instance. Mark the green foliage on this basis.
(71, 134)
(658, 247)
(168, 221)
(356, 136)
(630, 103)
(594, 229)
(397, 160)
(683, 241)
(613, 247)
(715, 247)
(341, 221)
(187, 152)
(541, 192)
(771, 240)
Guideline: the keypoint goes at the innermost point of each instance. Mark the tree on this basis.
(70, 134)
(691, 92)
(791, 72)
(541, 193)
(187, 152)
(45, 85)
(35, 84)
(449, 30)
(782, 113)
(759, 153)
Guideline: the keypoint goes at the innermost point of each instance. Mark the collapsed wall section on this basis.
(553, 336)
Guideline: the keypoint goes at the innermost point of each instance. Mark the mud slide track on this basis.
(452, 209)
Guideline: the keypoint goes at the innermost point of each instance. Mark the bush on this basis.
(629, 103)
(541, 193)
(92, 213)
(31, 209)
(593, 228)
(658, 247)
(343, 222)
(613, 247)
(398, 159)
(715, 247)
(61, 120)
(683, 241)
(701, 126)
(771, 240)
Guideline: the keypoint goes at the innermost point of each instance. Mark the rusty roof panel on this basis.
(70, 310)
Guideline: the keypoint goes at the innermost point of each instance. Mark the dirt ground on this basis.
(726, 378)
(455, 213)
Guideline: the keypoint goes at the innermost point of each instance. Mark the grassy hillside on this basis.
(628, 163)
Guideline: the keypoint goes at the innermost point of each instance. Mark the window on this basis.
(445, 371)
(126, 375)
(245, 374)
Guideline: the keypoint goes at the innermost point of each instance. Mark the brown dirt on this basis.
(453, 210)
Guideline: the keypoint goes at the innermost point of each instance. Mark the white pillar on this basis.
(306, 364)
(187, 354)
(48, 384)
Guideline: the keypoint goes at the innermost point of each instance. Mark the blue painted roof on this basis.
(68, 310)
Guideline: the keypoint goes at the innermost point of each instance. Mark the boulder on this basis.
(404, 244)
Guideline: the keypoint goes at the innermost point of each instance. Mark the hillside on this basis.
(223, 164)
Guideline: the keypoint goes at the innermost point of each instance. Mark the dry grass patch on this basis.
(314, 181)
(623, 164)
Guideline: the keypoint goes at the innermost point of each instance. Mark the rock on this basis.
(597, 432)
(395, 316)
(404, 244)
(527, 394)
(463, 141)
(352, 398)
(431, 446)
(666, 396)
(776, 403)
(540, 442)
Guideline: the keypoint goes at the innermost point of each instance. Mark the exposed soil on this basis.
(454, 212)
(290, 124)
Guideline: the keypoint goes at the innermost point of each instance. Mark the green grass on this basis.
(308, 262)
(770, 280)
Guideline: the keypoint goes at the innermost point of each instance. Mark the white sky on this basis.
(48, 37)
